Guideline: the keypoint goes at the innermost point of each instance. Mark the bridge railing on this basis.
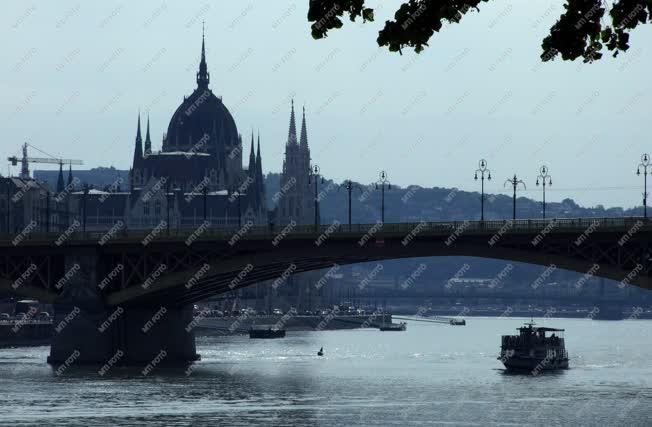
(247, 231)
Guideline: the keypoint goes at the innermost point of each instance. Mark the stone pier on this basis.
(87, 331)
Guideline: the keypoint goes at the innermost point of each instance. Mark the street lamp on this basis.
(383, 181)
(514, 182)
(205, 192)
(86, 189)
(47, 211)
(9, 202)
(645, 163)
(167, 204)
(545, 179)
(314, 172)
(349, 185)
(236, 193)
(482, 168)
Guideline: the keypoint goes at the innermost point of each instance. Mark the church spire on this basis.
(203, 76)
(70, 174)
(304, 132)
(138, 149)
(292, 133)
(60, 184)
(148, 142)
(252, 158)
(260, 185)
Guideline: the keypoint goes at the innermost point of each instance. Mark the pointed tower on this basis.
(252, 159)
(297, 203)
(138, 148)
(292, 132)
(70, 175)
(260, 183)
(304, 132)
(60, 183)
(138, 158)
(148, 141)
(203, 77)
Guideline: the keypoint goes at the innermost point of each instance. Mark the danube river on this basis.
(428, 375)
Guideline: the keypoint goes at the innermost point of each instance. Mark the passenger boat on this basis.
(533, 350)
(393, 326)
(266, 331)
(458, 322)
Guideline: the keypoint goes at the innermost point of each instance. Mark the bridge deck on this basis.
(337, 230)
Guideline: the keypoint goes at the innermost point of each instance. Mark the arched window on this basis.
(157, 208)
(146, 208)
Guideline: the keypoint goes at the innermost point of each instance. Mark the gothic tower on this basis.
(135, 173)
(296, 201)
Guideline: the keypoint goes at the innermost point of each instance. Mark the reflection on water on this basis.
(430, 374)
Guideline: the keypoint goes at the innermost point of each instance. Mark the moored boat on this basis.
(534, 349)
(266, 331)
(393, 326)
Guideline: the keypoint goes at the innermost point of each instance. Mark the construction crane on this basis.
(25, 160)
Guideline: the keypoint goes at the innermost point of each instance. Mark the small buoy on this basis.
(320, 352)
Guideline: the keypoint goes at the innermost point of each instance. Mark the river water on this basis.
(428, 375)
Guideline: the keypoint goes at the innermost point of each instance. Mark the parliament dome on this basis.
(202, 123)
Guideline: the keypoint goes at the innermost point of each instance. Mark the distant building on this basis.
(196, 178)
(30, 206)
(296, 199)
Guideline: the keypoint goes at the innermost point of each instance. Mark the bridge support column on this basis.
(87, 331)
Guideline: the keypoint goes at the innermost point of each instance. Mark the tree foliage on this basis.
(583, 30)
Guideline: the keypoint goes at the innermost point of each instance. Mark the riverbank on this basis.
(242, 324)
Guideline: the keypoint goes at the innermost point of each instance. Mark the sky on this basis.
(75, 75)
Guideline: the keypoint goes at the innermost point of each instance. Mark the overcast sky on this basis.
(74, 75)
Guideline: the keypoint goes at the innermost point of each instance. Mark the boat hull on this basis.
(393, 328)
(533, 364)
(267, 334)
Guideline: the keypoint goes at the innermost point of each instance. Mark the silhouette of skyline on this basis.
(76, 75)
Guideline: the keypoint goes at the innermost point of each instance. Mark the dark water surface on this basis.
(429, 375)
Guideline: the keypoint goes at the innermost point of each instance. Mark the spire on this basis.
(292, 133)
(258, 159)
(70, 174)
(60, 184)
(148, 142)
(138, 149)
(260, 185)
(304, 132)
(203, 76)
(252, 158)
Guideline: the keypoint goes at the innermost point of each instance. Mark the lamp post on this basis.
(237, 194)
(545, 179)
(349, 185)
(9, 201)
(482, 169)
(86, 189)
(514, 182)
(314, 174)
(383, 181)
(47, 211)
(205, 191)
(645, 163)
(167, 204)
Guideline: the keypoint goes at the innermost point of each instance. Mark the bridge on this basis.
(92, 276)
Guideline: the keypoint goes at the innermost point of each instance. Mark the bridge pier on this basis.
(87, 331)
